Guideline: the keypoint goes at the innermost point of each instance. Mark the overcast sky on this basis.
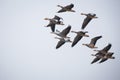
(27, 48)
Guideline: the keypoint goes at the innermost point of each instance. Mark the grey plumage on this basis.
(61, 42)
(88, 18)
(63, 33)
(66, 8)
(78, 37)
(93, 42)
(53, 22)
(103, 54)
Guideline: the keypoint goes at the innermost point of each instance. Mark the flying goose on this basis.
(52, 23)
(93, 42)
(62, 41)
(88, 18)
(63, 33)
(66, 8)
(103, 57)
(103, 54)
(78, 37)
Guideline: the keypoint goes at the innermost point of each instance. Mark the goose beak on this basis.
(73, 32)
(92, 55)
(45, 18)
(95, 17)
(83, 44)
(72, 10)
(86, 35)
(82, 14)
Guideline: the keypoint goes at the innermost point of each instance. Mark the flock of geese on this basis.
(101, 55)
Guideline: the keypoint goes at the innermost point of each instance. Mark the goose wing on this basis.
(57, 17)
(94, 40)
(98, 54)
(85, 22)
(66, 31)
(103, 60)
(52, 26)
(107, 48)
(60, 43)
(76, 39)
(95, 60)
(69, 7)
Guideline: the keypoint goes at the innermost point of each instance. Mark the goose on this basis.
(88, 18)
(93, 42)
(63, 33)
(78, 37)
(103, 57)
(66, 8)
(52, 23)
(103, 54)
(62, 41)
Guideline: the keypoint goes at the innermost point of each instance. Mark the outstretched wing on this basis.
(103, 60)
(107, 48)
(66, 31)
(57, 17)
(52, 26)
(94, 40)
(60, 43)
(76, 39)
(69, 6)
(95, 60)
(85, 22)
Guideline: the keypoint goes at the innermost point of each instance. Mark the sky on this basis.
(27, 48)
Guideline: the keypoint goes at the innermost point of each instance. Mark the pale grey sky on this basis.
(27, 49)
